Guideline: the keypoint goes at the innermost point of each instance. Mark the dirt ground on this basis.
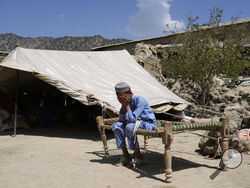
(73, 157)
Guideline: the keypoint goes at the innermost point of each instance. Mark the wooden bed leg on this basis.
(224, 142)
(145, 142)
(99, 121)
(167, 140)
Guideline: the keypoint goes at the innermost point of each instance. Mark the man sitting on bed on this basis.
(135, 113)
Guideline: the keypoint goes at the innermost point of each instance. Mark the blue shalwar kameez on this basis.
(139, 109)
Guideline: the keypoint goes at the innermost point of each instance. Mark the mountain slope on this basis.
(9, 41)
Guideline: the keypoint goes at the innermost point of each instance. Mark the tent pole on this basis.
(16, 96)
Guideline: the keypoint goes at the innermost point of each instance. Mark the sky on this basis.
(129, 19)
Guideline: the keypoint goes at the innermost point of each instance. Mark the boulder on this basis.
(147, 56)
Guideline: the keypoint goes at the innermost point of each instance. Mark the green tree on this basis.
(204, 51)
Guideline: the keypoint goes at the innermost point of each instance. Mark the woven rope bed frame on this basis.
(165, 130)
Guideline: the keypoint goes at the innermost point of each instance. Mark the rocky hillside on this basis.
(9, 41)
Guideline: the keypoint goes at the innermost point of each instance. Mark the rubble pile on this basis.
(228, 98)
(225, 100)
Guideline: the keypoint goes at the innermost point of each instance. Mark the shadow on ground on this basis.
(154, 163)
(63, 131)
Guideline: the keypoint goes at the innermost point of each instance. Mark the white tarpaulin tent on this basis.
(88, 76)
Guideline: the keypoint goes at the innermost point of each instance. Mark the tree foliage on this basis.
(205, 51)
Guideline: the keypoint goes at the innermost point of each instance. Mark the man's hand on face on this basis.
(127, 99)
(124, 99)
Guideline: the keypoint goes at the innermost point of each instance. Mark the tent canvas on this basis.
(88, 76)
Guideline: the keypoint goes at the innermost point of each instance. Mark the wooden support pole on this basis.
(224, 142)
(145, 142)
(100, 124)
(16, 98)
(167, 140)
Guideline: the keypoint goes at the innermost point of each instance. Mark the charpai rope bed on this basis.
(165, 130)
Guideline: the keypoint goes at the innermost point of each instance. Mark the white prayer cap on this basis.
(122, 87)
